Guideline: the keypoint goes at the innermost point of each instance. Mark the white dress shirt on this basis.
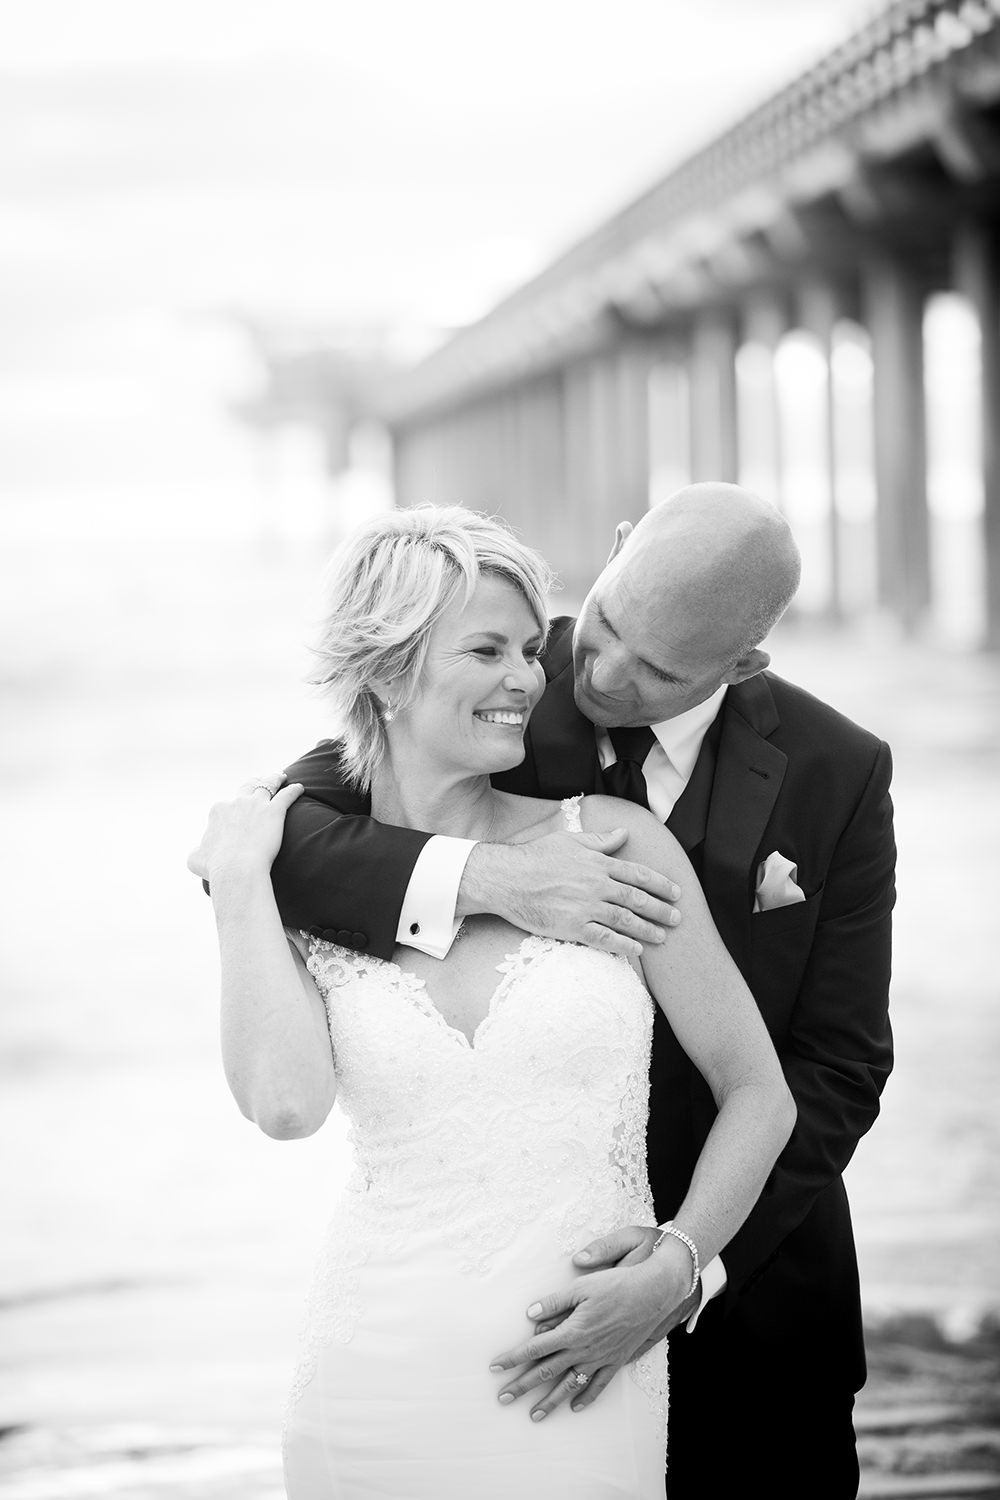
(427, 917)
(668, 766)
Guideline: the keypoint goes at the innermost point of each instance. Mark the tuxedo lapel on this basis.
(748, 776)
(688, 820)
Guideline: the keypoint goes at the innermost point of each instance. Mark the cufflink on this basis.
(414, 929)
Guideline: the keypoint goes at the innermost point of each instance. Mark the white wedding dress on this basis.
(479, 1169)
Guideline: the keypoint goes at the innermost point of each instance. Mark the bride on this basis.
(498, 1098)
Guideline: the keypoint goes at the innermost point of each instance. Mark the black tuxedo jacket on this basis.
(778, 771)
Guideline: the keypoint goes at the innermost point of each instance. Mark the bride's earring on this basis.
(388, 714)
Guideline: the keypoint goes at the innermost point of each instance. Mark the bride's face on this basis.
(481, 679)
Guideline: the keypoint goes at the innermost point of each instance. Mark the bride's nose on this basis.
(518, 679)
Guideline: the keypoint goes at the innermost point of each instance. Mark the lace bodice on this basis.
(541, 1116)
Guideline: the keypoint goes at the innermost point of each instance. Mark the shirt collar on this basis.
(681, 736)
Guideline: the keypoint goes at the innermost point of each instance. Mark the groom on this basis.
(783, 808)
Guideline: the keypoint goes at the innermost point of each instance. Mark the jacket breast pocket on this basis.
(780, 944)
(797, 916)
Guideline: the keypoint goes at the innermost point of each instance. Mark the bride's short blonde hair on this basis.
(387, 586)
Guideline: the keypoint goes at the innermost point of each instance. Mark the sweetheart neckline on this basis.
(508, 970)
(512, 966)
(570, 807)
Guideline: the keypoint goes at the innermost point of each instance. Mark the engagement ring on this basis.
(270, 785)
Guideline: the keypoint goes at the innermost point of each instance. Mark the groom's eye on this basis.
(669, 679)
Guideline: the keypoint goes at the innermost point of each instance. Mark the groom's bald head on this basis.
(685, 600)
(721, 554)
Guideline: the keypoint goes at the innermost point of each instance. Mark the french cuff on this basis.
(427, 919)
(713, 1282)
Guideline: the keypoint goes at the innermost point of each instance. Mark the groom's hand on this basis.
(569, 886)
(600, 1323)
(625, 1247)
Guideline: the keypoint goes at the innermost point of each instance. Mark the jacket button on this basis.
(359, 940)
(344, 938)
(329, 934)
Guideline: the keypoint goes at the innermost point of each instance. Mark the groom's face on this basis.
(635, 661)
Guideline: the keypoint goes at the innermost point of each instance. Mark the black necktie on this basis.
(625, 778)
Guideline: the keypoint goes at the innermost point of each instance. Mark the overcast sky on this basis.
(401, 162)
(385, 160)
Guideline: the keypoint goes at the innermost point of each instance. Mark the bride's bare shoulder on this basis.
(599, 814)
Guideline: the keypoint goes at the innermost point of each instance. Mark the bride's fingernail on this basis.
(538, 1416)
(505, 1399)
(496, 1369)
(583, 1255)
(535, 1310)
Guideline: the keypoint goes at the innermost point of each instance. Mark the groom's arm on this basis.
(339, 873)
(837, 1053)
(369, 885)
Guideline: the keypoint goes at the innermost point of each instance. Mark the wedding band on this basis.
(578, 1377)
(262, 786)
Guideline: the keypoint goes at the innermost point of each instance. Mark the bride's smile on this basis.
(512, 718)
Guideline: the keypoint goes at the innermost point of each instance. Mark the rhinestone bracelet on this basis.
(685, 1239)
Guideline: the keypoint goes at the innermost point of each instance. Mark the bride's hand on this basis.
(599, 1323)
(244, 835)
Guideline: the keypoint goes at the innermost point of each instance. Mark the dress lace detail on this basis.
(571, 812)
(541, 1119)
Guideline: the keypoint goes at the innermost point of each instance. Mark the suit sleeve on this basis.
(339, 873)
(837, 1053)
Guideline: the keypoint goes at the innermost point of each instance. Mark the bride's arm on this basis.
(713, 1015)
(275, 1041)
(601, 1320)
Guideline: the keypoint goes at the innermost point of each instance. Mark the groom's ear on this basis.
(623, 531)
(748, 666)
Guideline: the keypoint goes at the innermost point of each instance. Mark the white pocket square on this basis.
(776, 883)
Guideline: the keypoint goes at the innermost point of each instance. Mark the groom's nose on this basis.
(608, 672)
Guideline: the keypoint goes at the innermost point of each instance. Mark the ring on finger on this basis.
(270, 785)
(578, 1378)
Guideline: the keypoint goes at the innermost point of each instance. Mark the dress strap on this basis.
(571, 812)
